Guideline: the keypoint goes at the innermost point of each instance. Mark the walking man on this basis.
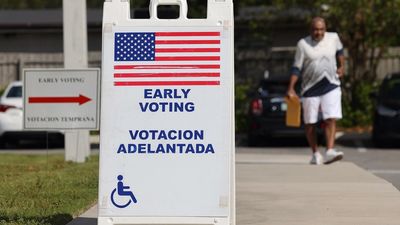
(319, 60)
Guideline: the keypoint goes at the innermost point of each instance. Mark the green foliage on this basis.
(243, 3)
(241, 106)
(367, 28)
(357, 104)
(45, 190)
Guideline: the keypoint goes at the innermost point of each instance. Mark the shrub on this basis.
(357, 104)
(241, 106)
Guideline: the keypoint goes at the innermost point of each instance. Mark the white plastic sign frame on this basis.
(167, 148)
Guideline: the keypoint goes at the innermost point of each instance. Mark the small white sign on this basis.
(61, 99)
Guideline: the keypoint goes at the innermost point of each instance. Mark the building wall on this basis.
(250, 64)
(12, 64)
(37, 41)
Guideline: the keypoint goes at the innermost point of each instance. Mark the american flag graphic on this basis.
(167, 58)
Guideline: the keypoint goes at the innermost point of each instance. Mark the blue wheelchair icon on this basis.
(122, 190)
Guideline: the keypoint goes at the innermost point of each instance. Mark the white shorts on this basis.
(329, 104)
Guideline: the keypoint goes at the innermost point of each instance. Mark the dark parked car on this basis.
(386, 125)
(267, 112)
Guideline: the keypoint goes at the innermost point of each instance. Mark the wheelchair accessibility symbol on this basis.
(121, 196)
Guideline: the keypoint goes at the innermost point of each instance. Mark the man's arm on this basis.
(295, 70)
(339, 57)
(291, 92)
(340, 66)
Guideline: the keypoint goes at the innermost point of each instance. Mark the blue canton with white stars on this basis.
(134, 47)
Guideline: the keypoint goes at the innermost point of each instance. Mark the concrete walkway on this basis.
(285, 190)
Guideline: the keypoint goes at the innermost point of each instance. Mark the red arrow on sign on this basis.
(81, 99)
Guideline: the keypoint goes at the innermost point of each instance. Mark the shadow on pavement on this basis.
(364, 140)
(348, 139)
(32, 145)
(83, 221)
(354, 140)
(51, 219)
(241, 140)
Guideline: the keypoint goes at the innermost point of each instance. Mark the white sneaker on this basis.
(316, 159)
(332, 155)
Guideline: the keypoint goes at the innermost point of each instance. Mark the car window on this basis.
(15, 92)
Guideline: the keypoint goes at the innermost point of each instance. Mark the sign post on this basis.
(77, 145)
(167, 117)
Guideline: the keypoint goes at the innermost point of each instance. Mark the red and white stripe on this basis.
(182, 58)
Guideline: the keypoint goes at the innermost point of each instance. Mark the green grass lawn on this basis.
(45, 190)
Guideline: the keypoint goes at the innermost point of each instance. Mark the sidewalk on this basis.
(285, 190)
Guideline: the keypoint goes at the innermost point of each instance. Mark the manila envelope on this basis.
(293, 112)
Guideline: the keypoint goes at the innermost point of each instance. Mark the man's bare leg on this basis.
(330, 132)
(311, 137)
